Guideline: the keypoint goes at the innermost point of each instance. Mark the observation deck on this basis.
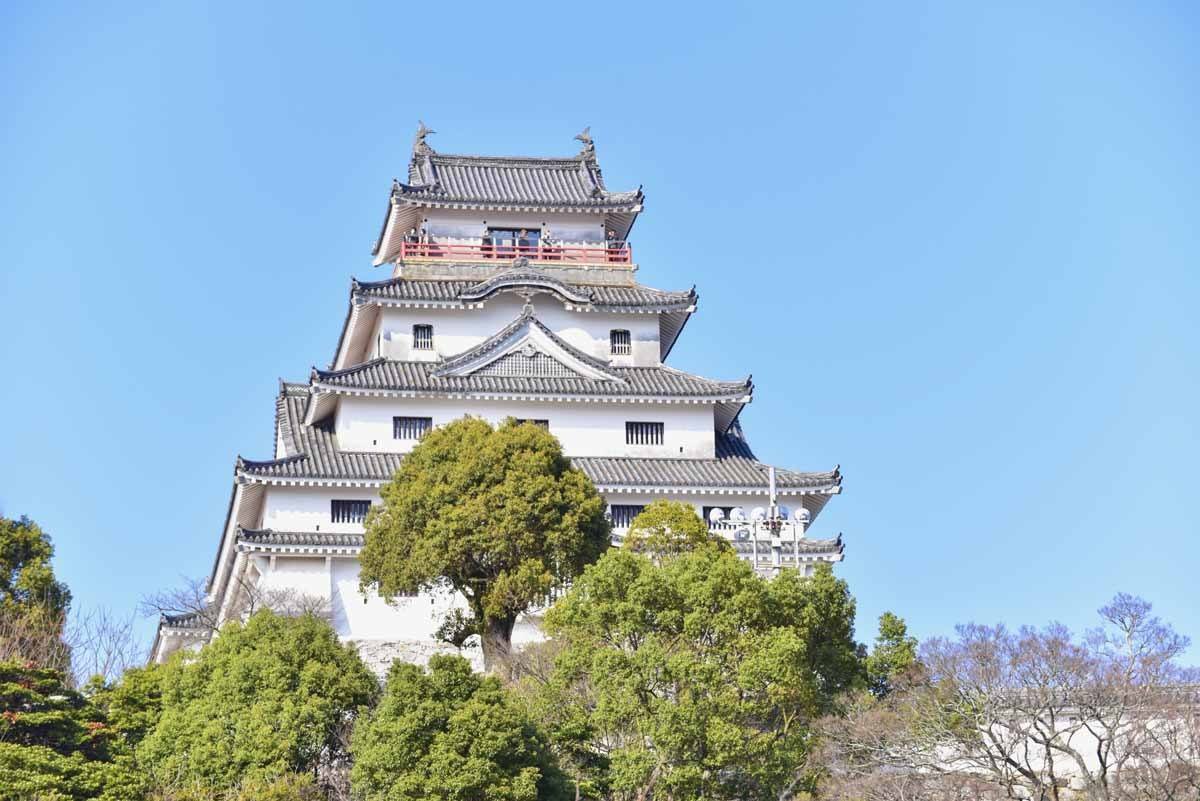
(610, 253)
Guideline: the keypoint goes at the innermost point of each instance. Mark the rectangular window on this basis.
(543, 423)
(410, 427)
(510, 242)
(348, 511)
(620, 342)
(643, 433)
(422, 337)
(624, 513)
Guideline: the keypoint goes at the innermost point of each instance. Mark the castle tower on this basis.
(513, 294)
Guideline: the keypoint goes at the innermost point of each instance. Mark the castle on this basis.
(513, 294)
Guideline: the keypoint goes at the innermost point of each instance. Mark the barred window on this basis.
(620, 342)
(410, 427)
(348, 511)
(643, 433)
(422, 337)
(543, 423)
(624, 513)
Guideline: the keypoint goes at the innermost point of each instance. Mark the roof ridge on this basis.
(560, 161)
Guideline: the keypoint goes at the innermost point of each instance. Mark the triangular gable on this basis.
(527, 348)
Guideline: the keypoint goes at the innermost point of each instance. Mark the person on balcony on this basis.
(485, 245)
(613, 247)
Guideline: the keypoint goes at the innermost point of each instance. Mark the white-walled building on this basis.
(513, 294)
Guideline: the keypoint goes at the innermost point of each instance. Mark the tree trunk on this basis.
(497, 645)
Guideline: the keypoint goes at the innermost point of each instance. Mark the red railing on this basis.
(614, 254)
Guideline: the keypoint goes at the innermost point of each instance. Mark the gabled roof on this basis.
(538, 340)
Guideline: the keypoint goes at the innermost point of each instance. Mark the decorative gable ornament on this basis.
(527, 348)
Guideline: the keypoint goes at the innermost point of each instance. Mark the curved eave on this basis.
(737, 399)
(606, 205)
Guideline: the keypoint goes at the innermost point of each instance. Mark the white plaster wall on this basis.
(368, 616)
(448, 224)
(458, 330)
(584, 429)
(307, 508)
(304, 576)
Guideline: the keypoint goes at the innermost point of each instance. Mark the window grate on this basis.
(348, 511)
(543, 423)
(638, 433)
(620, 342)
(410, 427)
(422, 337)
(624, 513)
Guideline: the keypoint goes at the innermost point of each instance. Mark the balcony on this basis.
(766, 545)
(613, 253)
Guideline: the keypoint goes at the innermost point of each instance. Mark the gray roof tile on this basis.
(734, 465)
(266, 536)
(511, 181)
(462, 292)
(384, 375)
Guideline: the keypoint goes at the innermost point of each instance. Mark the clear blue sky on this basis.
(981, 299)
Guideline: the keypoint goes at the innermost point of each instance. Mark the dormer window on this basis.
(620, 342)
(422, 337)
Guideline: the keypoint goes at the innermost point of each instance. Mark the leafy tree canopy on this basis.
(666, 528)
(26, 577)
(694, 677)
(450, 735)
(498, 514)
(894, 653)
(33, 603)
(131, 705)
(55, 744)
(263, 699)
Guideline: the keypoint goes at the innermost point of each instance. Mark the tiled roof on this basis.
(511, 181)
(733, 467)
(317, 454)
(385, 375)
(804, 546)
(266, 536)
(186, 620)
(524, 323)
(463, 292)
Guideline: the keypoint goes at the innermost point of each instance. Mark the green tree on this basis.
(499, 515)
(450, 735)
(132, 704)
(287, 787)
(665, 528)
(694, 677)
(55, 744)
(33, 603)
(894, 653)
(263, 699)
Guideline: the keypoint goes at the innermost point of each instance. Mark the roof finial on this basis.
(420, 146)
(589, 146)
